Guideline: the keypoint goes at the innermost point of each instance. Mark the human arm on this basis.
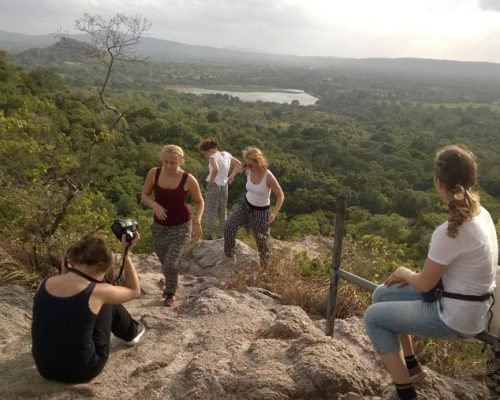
(215, 170)
(147, 198)
(237, 168)
(424, 280)
(273, 183)
(109, 294)
(194, 190)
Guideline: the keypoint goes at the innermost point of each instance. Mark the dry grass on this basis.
(285, 276)
(13, 267)
(310, 293)
(461, 359)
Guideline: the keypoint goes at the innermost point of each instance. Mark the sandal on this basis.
(170, 301)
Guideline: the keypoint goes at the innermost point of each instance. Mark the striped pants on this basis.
(215, 204)
(170, 243)
(257, 220)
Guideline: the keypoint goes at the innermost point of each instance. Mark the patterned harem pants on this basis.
(170, 243)
(215, 204)
(257, 220)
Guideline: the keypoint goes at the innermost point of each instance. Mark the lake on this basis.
(273, 95)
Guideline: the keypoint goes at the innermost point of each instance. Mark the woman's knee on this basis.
(369, 317)
(379, 293)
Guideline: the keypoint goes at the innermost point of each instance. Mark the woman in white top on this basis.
(219, 164)
(254, 209)
(463, 254)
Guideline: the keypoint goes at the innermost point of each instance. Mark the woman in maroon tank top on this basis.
(165, 190)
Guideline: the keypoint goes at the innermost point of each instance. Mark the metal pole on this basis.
(337, 253)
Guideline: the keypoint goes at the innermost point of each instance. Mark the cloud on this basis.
(489, 5)
(211, 14)
(452, 29)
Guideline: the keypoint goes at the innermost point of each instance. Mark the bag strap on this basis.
(440, 292)
(466, 297)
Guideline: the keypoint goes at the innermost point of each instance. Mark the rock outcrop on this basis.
(218, 344)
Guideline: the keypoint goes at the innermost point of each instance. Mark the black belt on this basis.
(257, 207)
(458, 296)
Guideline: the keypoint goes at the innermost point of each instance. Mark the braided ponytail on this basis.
(455, 166)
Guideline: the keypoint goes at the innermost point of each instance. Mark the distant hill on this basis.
(165, 50)
(16, 42)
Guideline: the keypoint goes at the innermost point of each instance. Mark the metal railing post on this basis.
(337, 253)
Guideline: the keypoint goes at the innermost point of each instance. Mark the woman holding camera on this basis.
(219, 164)
(165, 190)
(74, 313)
(254, 210)
(463, 254)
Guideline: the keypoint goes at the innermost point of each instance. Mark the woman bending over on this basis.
(254, 210)
(219, 164)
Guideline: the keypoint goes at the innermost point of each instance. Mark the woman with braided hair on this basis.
(462, 259)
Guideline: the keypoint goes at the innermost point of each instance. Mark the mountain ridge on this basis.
(167, 50)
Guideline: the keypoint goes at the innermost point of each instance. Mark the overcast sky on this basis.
(467, 30)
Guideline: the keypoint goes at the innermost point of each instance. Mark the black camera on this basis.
(126, 227)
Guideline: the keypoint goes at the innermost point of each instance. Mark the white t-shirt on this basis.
(258, 194)
(471, 259)
(223, 159)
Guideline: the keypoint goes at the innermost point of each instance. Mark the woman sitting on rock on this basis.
(74, 313)
(463, 254)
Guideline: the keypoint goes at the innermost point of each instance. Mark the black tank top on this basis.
(61, 334)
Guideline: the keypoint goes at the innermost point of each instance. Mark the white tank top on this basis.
(223, 159)
(258, 194)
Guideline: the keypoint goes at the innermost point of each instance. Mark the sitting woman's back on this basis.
(74, 314)
(62, 331)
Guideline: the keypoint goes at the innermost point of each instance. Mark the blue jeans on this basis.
(402, 310)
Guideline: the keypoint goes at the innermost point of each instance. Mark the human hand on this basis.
(127, 246)
(399, 276)
(159, 211)
(271, 218)
(230, 179)
(197, 230)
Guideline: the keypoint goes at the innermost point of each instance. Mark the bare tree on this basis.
(113, 40)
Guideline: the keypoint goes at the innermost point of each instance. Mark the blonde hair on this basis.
(456, 167)
(173, 149)
(254, 154)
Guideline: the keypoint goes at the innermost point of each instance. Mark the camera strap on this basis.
(83, 275)
(122, 267)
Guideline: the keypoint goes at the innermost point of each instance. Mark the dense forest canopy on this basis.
(372, 136)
